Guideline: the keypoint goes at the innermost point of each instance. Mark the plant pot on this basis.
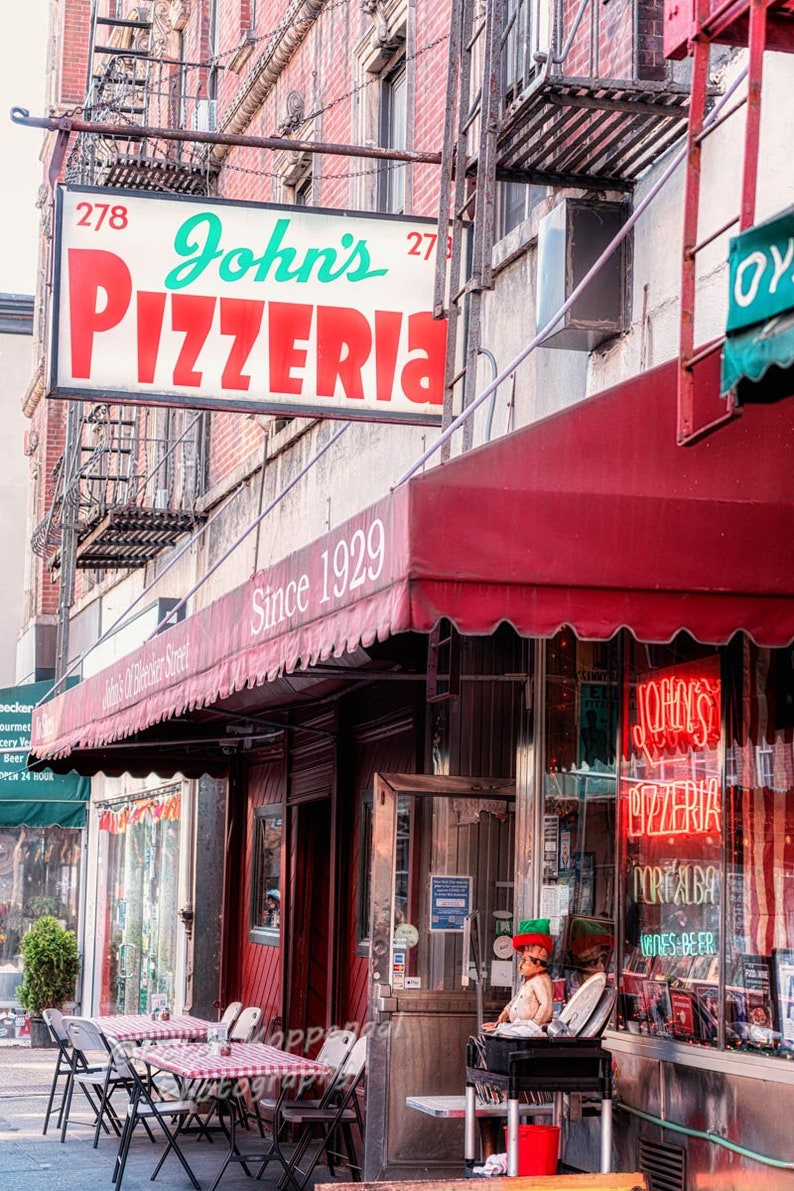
(39, 1033)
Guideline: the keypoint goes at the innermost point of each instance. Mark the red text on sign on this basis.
(331, 348)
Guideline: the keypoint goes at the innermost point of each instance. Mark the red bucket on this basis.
(538, 1148)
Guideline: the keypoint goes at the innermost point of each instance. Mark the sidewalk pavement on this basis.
(32, 1162)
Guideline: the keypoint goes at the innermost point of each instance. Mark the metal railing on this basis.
(143, 457)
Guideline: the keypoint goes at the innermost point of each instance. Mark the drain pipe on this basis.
(702, 1135)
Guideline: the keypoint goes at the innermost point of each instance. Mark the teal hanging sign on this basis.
(33, 799)
(760, 325)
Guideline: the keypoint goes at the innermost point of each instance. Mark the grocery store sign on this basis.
(243, 306)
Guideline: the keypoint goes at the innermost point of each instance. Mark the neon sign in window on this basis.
(675, 714)
(677, 808)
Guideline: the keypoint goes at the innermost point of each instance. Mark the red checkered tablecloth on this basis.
(247, 1060)
(137, 1027)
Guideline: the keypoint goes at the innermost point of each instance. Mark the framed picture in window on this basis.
(658, 1007)
(683, 1010)
(783, 969)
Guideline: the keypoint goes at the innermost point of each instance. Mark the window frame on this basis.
(270, 936)
(391, 183)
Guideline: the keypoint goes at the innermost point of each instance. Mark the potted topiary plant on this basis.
(51, 962)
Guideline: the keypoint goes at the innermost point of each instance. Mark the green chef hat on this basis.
(533, 930)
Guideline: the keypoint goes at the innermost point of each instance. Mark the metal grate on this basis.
(664, 1164)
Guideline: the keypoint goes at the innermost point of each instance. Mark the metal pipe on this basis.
(484, 351)
(566, 49)
(250, 528)
(545, 331)
(707, 1135)
(67, 125)
(141, 594)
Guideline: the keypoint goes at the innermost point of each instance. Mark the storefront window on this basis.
(266, 876)
(137, 902)
(672, 814)
(758, 1007)
(39, 874)
(577, 894)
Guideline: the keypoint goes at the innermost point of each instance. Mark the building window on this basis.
(137, 901)
(579, 808)
(265, 921)
(516, 201)
(392, 135)
(402, 866)
(757, 1006)
(302, 191)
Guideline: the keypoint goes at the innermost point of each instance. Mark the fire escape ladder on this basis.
(468, 182)
(719, 25)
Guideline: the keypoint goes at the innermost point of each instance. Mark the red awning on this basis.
(592, 518)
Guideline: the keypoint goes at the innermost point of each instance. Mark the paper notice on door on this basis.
(501, 973)
(554, 901)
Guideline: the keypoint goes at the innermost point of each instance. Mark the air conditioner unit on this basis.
(204, 115)
(571, 238)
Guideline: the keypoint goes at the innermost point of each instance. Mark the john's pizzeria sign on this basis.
(247, 307)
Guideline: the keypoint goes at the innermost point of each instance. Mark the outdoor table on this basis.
(248, 1060)
(451, 1108)
(139, 1027)
(541, 1065)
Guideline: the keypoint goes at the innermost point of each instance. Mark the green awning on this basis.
(28, 798)
(760, 323)
(749, 355)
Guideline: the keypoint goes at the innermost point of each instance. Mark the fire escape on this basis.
(128, 480)
(126, 485)
(573, 94)
(137, 77)
(124, 488)
(585, 94)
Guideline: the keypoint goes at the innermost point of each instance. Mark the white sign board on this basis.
(244, 306)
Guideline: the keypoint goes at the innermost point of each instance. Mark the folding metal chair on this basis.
(142, 1108)
(333, 1053)
(334, 1116)
(231, 1013)
(246, 1027)
(92, 1071)
(63, 1061)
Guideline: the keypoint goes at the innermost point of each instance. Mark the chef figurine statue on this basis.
(534, 1000)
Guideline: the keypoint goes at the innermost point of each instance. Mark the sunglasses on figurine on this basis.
(541, 963)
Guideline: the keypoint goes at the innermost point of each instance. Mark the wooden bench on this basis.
(551, 1182)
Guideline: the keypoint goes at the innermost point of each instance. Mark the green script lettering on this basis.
(199, 241)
